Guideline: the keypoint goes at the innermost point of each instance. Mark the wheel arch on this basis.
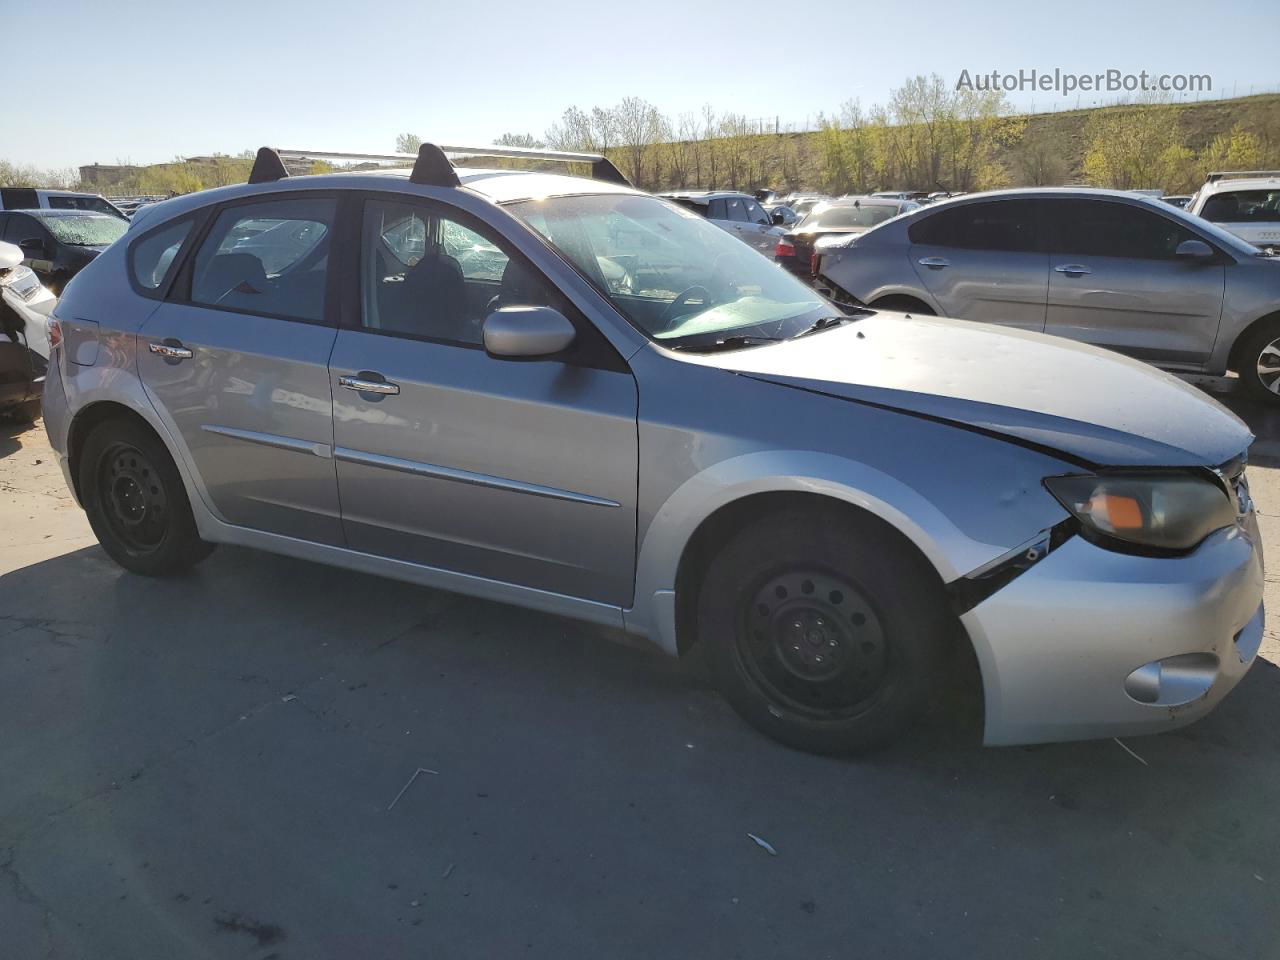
(902, 302)
(1237, 348)
(717, 528)
(88, 417)
(701, 514)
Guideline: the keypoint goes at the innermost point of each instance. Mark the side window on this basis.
(22, 227)
(270, 258)
(756, 214)
(477, 257)
(19, 198)
(425, 274)
(718, 209)
(1004, 225)
(153, 255)
(737, 210)
(1104, 228)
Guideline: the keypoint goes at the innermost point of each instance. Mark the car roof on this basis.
(703, 194)
(46, 212)
(497, 186)
(864, 201)
(1243, 183)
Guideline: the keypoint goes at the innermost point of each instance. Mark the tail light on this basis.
(785, 248)
(813, 263)
(55, 333)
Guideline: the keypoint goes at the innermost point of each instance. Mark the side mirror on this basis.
(1193, 250)
(32, 247)
(10, 256)
(779, 218)
(527, 332)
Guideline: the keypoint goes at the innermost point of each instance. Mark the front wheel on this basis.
(136, 502)
(826, 629)
(1259, 362)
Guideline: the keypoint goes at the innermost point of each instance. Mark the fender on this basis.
(113, 379)
(951, 552)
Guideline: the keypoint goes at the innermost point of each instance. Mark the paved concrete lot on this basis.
(206, 767)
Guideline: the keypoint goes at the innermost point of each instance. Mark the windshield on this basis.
(850, 215)
(92, 230)
(681, 280)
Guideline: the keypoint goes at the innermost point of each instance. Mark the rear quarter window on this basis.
(152, 256)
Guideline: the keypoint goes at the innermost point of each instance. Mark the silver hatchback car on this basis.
(564, 394)
(1118, 270)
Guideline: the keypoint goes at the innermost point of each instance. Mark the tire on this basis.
(1260, 342)
(826, 630)
(904, 305)
(136, 502)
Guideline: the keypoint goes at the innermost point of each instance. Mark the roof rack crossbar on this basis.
(431, 165)
(1217, 175)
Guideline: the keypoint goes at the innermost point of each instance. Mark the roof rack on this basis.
(431, 166)
(1217, 175)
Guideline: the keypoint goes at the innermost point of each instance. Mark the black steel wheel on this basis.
(814, 641)
(136, 502)
(826, 628)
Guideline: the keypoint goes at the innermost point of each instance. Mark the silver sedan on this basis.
(1113, 269)
(622, 414)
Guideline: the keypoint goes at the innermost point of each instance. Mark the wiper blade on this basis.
(825, 323)
(724, 343)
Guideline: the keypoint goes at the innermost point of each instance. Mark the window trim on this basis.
(597, 351)
(180, 289)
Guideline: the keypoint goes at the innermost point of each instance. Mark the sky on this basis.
(143, 81)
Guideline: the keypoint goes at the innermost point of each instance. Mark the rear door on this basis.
(236, 362)
(982, 261)
(522, 471)
(1115, 282)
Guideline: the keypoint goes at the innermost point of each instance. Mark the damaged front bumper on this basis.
(1088, 642)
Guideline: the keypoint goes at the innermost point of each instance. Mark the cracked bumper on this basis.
(1057, 644)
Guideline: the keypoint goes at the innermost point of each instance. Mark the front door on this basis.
(981, 261)
(521, 471)
(236, 364)
(1116, 282)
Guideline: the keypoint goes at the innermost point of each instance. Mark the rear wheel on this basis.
(136, 502)
(826, 630)
(1258, 361)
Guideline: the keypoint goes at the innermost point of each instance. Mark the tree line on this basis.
(926, 136)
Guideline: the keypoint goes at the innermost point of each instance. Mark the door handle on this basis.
(361, 385)
(1073, 269)
(171, 350)
(934, 263)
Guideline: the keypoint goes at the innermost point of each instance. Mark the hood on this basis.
(1095, 406)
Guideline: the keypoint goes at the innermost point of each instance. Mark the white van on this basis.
(29, 198)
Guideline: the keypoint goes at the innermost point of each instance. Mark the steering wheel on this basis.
(670, 314)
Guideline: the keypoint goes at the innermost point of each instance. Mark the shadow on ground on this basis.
(209, 766)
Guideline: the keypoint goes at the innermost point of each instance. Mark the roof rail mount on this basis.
(1217, 175)
(431, 166)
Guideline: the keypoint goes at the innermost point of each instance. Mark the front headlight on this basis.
(1163, 512)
